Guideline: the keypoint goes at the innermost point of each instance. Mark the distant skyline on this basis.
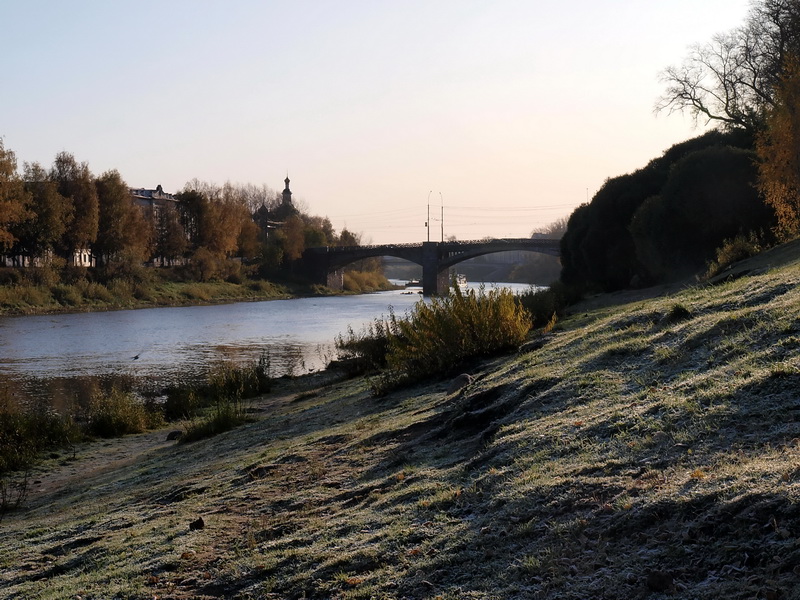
(508, 113)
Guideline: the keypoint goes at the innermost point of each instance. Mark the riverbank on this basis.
(84, 296)
(648, 449)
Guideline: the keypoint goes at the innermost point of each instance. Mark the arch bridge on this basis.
(324, 264)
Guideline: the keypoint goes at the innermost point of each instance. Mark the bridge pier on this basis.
(335, 280)
(435, 282)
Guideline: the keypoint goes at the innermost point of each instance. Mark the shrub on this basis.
(73, 275)
(143, 292)
(96, 291)
(34, 295)
(544, 304)
(678, 312)
(67, 295)
(227, 387)
(197, 291)
(10, 276)
(25, 432)
(225, 416)
(13, 492)
(206, 265)
(226, 383)
(121, 290)
(440, 335)
(181, 403)
(45, 276)
(733, 250)
(231, 382)
(364, 281)
(115, 414)
(366, 351)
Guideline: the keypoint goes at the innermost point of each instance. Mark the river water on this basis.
(58, 358)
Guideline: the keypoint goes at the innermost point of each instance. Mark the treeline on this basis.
(738, 183)
(213, 223)
(52, 218)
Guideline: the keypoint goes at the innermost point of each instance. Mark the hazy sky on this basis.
(507, 112)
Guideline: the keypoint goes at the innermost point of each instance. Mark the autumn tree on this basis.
(46, 222)
(13, 197)
(214, 216)
(191, 204)
(255, 197)
(124, 234)
(75, 183)
(170, 242)
(292, 237)
(249, 242)
(348, 238)
(779, 152)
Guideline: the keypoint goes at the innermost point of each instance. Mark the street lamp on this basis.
(442, 200)
(428, 222)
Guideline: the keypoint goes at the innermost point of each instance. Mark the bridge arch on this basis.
(347, 256)
(459, 254)
(324, 264)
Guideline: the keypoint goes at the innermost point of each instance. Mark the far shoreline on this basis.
(227, 295)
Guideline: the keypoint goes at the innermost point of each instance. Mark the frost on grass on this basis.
(633, 455)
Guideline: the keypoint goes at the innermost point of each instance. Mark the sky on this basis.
(496, 117)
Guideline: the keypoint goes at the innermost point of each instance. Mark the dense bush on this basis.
(232, 382)
(709, 197)
(67, 295)
(598, 249)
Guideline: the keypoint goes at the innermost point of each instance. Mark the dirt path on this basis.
(65, 469)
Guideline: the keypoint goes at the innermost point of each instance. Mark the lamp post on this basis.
(428, 222)
(442, 200)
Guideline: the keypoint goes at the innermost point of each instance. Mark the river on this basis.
(64, 357)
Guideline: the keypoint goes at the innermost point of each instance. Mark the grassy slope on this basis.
(634, 455)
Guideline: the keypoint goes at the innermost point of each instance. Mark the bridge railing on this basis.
(454, 244)
(335, 249)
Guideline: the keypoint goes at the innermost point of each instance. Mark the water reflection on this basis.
(64, 359)
(67, 358)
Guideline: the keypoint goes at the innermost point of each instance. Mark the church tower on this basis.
(287, 193)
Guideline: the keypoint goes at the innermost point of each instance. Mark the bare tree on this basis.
(732, 79)
(554, 230)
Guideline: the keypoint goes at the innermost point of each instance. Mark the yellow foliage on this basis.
(779, 150)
